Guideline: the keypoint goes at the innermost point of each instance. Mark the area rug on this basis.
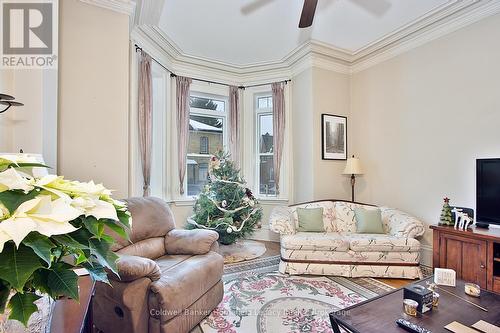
(242, 250)
(259, 299)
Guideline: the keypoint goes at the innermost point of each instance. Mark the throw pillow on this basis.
(310, 219)
(369, 221)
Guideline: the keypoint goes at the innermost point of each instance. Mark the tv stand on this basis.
(474, 254)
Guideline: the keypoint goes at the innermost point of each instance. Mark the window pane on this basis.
(209, 128)
(267, 186)
(265, 102)
(266, 134)
(197, 174)
(207, 103)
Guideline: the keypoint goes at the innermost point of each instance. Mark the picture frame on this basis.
(333, 137)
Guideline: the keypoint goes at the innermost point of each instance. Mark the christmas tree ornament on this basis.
(446, 217)
(225, 204)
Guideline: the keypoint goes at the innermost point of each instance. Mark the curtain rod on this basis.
(172, 74)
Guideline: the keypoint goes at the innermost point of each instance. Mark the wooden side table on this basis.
(70, 316)
(474, 254)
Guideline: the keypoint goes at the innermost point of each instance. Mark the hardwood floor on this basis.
(273, 249)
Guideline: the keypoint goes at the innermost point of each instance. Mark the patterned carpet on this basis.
(259, 299)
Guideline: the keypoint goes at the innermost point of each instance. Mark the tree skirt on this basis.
(272, 302)
(242, 250)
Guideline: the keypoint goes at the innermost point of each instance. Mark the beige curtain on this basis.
(145, 119)
(182, 84)
(234, 124)
(278, 129)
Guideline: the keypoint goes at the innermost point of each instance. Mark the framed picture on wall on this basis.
(333, 137)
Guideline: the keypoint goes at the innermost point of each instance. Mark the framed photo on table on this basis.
(333, 137)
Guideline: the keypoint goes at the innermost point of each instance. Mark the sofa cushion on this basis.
(183, 281)
(315, 241)
(369, 221)
(328, 214)
(380, 242)
(310, 219)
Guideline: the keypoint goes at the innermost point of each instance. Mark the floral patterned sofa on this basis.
(341, 251)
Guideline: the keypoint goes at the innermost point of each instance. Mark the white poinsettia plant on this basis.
(48, 227)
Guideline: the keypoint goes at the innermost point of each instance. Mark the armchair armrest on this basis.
(131, 268)
(196, 241)
(281, 221)
(401, 224)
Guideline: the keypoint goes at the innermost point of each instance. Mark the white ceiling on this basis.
(244, 32)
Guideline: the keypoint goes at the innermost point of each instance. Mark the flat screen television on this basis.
(488, 191)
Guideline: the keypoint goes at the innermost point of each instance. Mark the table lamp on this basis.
(353, 168)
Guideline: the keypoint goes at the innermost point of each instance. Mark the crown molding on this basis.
(126, 7)
(439, 21)
(473, 11)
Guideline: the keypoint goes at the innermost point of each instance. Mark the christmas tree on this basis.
(225, 204)
(445, 218)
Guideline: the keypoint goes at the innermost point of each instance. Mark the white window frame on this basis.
(212, 114)
(259, 113)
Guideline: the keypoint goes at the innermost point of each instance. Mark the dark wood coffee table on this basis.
(379, 314)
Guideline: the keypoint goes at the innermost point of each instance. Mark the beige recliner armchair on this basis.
(170, 279)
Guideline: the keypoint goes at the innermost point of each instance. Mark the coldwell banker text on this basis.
(29, 33)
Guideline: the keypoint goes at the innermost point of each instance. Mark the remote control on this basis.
(411, 327)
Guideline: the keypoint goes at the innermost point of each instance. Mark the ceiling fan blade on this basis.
(307, 16)
(375, 7)
(254, 6)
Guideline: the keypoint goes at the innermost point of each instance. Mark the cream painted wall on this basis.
(302, 138)
(331, 94)
(6, 86)
(317, 91)
(32, 127)
(94, 95)
(421, 119)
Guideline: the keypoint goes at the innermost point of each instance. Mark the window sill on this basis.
(272, 200)
(183, 202)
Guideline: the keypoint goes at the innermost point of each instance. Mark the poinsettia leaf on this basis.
(4, 295)
(41, 245)
(102, 252)
(40, 280)
(13, 199)
(17, 265)
(92, 225)
(22, 307)
(97, 272)
(124, 218)
(70, 242)
(63, 281)
(118, 229)
(82, 236)
(80, 257)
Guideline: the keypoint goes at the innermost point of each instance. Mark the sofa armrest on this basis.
(131, 268)
(401, 224)
(196, 241)
(281, 221)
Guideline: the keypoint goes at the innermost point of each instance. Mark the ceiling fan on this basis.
(375, 7)
(308, 11)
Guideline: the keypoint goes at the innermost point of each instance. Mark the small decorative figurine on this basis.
(446, 218)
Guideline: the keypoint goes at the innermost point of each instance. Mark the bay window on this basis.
(207, 134)
(264, 146)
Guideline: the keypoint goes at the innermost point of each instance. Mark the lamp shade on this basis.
(353, 166)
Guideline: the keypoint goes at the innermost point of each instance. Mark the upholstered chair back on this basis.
(152, 219)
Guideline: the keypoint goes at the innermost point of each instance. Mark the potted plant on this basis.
(50, 226)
